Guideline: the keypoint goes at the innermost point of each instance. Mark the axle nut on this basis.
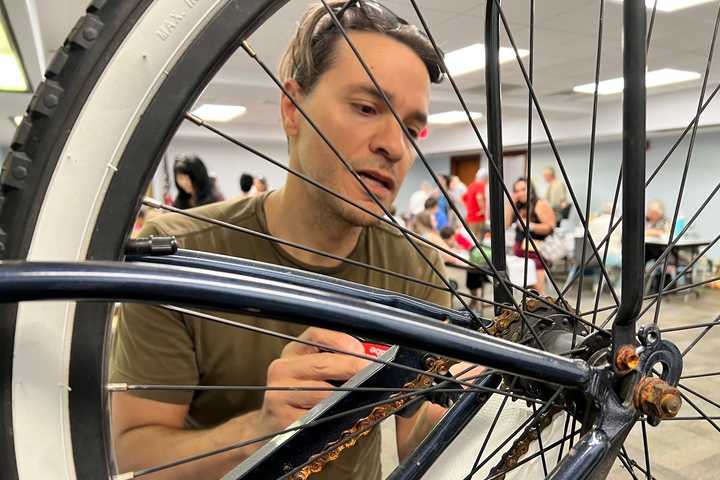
(655, 398)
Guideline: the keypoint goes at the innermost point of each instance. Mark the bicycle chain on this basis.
(506, 326)
(350, 437)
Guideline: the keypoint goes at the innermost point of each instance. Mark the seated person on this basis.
(541, 224)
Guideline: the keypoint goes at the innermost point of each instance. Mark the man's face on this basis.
(548, 176)
(347, 108)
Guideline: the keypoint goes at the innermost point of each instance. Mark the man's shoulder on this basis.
(234, 211)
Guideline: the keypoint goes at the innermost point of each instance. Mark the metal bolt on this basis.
(627, 358)
(51, 100)
(655, 398)
(671, 404)
(19, 172)
(90, 34)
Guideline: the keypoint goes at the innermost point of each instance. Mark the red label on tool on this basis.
(375, 349)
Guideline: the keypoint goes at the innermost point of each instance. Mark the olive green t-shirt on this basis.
(156, 346)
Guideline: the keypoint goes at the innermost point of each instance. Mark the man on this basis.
(556, 194)
(153, 346)
(475, 201)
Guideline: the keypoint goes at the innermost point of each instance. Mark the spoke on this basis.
(699, 395)
(491, 429)
(625, 458)
(532, 419)
(683, 181)
(652, 176)
(493, 165)
(700, 375)
(528, 175)
(593, 131)
(118, 387)
(238, 445)
(420, 155)
(201, 123)
(607, 245)
(554, 148)
(655, 295)
(697, 339)
(687, 269)
(349, 168)
(533, 456)
(646, 450)
(155, 204)
(565, 432)
(692, 418)
(540, 445)
(354, 435)
(290, 338)
(651, 27)
(691, 327)
(698, 410)
(637, 465)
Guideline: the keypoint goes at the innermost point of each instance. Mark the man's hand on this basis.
(302, 365)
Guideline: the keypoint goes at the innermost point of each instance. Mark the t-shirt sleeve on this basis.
(153, 346)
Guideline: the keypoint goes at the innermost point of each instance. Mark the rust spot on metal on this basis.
(627, 358)
(654, 397)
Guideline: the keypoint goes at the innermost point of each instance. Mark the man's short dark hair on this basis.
(246, 182)
(311, 51)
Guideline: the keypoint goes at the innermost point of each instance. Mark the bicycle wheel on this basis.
(73, 146)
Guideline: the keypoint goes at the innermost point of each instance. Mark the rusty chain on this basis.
(507, 325)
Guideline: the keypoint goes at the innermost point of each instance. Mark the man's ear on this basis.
(291, 116)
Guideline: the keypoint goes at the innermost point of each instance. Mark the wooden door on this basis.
(465, 166)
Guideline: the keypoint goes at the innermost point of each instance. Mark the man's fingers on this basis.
(316, 366)
(303, 399)
(469, 375)
(329, 338)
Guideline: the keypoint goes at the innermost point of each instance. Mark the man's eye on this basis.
(365, 109)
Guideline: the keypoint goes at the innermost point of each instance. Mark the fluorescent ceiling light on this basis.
(671, 5)
(219, 113)
(656, 78)
(12, 76)
(454, 116)
(471, 58)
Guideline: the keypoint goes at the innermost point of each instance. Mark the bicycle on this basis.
(606, 380)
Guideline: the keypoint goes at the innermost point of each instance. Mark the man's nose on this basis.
(390, 141)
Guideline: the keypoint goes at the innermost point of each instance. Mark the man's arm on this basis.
(149, 433)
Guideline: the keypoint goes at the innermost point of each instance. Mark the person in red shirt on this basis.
(475, 203)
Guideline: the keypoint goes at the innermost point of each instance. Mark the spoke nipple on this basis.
(151, 202)
(124, 476)
(627, 358)
(246, 46)
(117, 387)
(195, 119)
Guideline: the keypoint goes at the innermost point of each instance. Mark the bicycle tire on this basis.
(176, 46)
